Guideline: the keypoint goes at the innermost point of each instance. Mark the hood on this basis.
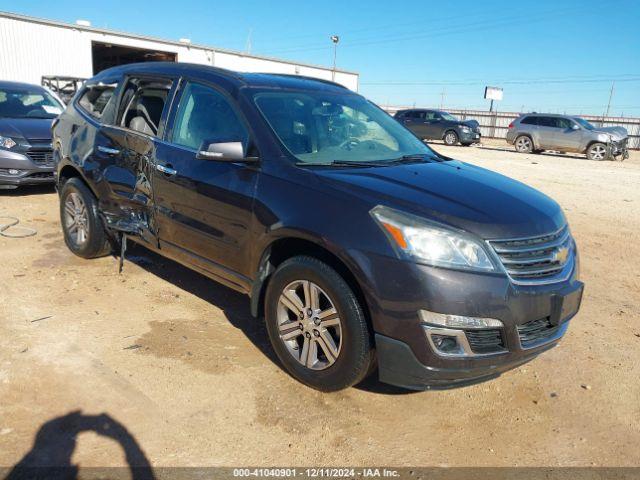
(28, 128)
(471, 123)
(618, 133)
(463, 196)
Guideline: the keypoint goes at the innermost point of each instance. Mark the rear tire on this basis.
(597, 151)
(317, 326)
(450, 137)
(83, 231)
(523, 144)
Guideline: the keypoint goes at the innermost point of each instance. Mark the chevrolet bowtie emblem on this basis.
(561, 255)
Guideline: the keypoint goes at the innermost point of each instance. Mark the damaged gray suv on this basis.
(534, 133)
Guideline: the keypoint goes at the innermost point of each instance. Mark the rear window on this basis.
(529, 120)
(94, 100)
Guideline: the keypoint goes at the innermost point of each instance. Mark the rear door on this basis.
(126, 153)
(204, 207)
(414, 121)
(545, 132)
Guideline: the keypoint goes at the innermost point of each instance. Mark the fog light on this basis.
(457, 321)
(446, 344)
(10, 171)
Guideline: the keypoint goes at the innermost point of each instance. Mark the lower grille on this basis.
(41, 175)
(485, 340)
(536, 331)
(41, 156)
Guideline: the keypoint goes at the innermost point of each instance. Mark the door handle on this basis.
(108, 150)
(166, 169)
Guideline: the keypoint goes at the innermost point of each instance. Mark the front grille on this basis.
(485, 340)
(536, 331)
(41, 156)
(536, 258)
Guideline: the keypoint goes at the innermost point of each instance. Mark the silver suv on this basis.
(538, 132)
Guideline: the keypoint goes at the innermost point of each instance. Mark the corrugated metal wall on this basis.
(495, 124)
(31, 48)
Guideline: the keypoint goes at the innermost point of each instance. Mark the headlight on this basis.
(418, 239)
(6, 142)
(465, 129)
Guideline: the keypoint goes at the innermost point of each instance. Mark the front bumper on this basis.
(470, 137)
(26, 165)
(407, 357)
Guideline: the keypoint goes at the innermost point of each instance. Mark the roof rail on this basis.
(306, 77)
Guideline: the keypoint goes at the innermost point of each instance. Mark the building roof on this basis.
(55, 23)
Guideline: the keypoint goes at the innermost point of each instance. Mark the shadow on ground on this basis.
(27, 190)
(234, 305)
(54, 444)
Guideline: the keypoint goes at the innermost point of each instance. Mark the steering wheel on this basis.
(350, 143)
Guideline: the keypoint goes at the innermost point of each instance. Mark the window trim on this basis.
(167, 137)
(163, 118)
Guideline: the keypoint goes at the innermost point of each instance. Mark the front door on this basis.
(433, 126)
(204, 207)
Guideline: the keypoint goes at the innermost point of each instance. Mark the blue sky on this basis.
(547, 55)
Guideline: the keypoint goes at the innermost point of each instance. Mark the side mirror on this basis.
(575, 127)
(231, 151)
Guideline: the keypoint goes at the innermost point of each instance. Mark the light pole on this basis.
(335, 39)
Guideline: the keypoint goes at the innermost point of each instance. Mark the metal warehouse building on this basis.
(31, 48)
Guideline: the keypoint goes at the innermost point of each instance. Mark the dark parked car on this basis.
(357, 243)
(439, 125)
(26, 113)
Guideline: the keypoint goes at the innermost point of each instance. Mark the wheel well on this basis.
(67, 173)
(449, 130)
(592, 142)
(533, 144)
(286, 248)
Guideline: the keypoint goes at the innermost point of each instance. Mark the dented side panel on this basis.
(127, 166)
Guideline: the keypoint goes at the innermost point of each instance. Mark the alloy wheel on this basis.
(76, 219)
(309, 325)
(523, 144)
(450, 138)
(598, 152)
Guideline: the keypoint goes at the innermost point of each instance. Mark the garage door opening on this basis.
(106, 55)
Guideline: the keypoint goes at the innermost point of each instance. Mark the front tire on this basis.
(81, 225)
(597, 151)
(450, 138)
(317, 326)
(523, 144)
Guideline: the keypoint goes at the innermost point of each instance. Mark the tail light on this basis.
(511, 125)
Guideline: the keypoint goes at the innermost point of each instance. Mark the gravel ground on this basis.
(161, 358)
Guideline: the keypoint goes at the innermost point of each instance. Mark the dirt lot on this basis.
(179, 366)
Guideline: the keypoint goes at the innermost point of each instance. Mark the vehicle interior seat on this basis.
(146, 115)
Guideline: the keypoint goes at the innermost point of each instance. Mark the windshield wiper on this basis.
(414, 158)
(341, 163)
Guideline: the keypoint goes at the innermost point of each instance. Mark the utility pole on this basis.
(610, 97)
(442, 94)
(247, 46)
(335, 39)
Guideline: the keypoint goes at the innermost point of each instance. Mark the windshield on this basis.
(28, 103)
(583, 123)
(448, 116)
(322, 128)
